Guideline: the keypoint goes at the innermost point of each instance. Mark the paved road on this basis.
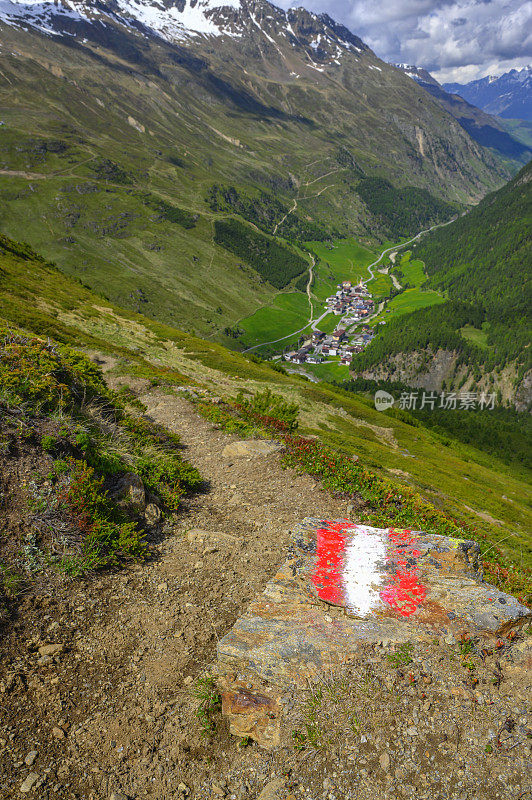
(314, 322)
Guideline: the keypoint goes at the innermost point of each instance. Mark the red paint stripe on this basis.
(403, 592)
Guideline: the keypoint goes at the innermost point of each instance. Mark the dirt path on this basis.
(119, 696)
(111, 714)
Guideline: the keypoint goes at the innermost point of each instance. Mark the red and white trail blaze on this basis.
(367, 569)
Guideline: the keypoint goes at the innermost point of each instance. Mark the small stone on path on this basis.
(251, 447)
(384, 761)
(274, 790)
(29, 783)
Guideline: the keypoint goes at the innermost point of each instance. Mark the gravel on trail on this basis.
(97, 678)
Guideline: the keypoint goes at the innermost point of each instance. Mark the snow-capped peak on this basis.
(180, 20)
(175, 21)
(322, 41)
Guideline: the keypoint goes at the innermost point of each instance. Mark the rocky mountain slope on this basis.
(118, 119)
(508, 95)
(485, 128)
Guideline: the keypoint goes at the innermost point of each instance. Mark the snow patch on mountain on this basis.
(195, 18)
(171, 23)
(38, 14)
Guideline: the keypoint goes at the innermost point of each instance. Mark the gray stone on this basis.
(401, 586)
(384, 761)
(274, 790)
(29, 783)
(152, 514)
(30, 758)
(117, 796)
(50, 649)
(251, 448)
(130, 491)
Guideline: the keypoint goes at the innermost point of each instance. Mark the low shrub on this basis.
(269, 406)
(106, 537)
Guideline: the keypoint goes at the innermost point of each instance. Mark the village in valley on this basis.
(353, 304)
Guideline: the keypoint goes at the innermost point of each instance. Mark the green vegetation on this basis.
(209, 704)
(434, 327)
(502, 432)
(171, 213)
(266, 212)
(380, 287)
(406, 302)
(56, 408)
(477, 336)
(269, 405)
(402, 656)
(484, 259)
(330, 370)
(287, 313)
(402, 211)
(410, 273)
(520, 129)
(273, 261)
(339, 260)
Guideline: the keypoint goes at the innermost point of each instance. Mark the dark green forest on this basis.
(434, 327)
(485, 258)
(266, 212)
(403, 211)
(170, 213)
(276, 264)
(501, 432)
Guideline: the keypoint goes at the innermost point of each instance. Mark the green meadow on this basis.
(411, 272)
(407, 301)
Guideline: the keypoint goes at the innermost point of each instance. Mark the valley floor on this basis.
(113, 714)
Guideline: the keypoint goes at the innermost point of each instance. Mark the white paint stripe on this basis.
(363, 577)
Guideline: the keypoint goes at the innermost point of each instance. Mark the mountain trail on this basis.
(112, 714)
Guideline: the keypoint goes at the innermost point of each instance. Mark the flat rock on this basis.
(345, 585)
(50, 649)
(198, 537)
(29, 783)
(251, 448)
(274, 790)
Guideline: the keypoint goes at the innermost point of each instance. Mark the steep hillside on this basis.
(117, 126)
(481, 263)
(484, 128)
(35, 297)
(123, 567)
(507, 95)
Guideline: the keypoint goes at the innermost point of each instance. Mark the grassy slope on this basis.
(173, 136)
(36, 296)
(344, 259)
(407, 301)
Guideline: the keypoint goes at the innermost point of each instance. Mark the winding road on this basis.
(313, 323)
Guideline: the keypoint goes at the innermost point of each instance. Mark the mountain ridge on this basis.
(485, 128)
(508, 95)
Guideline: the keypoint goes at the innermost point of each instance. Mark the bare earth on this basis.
(113, 712)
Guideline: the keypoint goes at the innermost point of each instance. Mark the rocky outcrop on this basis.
(345, 586)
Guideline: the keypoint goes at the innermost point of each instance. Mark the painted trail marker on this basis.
(345, 585)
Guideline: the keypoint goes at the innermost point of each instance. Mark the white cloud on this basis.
(454, 39)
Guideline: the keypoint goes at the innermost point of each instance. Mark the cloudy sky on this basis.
(455, 39)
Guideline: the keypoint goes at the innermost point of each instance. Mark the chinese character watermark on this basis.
(420, 400)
